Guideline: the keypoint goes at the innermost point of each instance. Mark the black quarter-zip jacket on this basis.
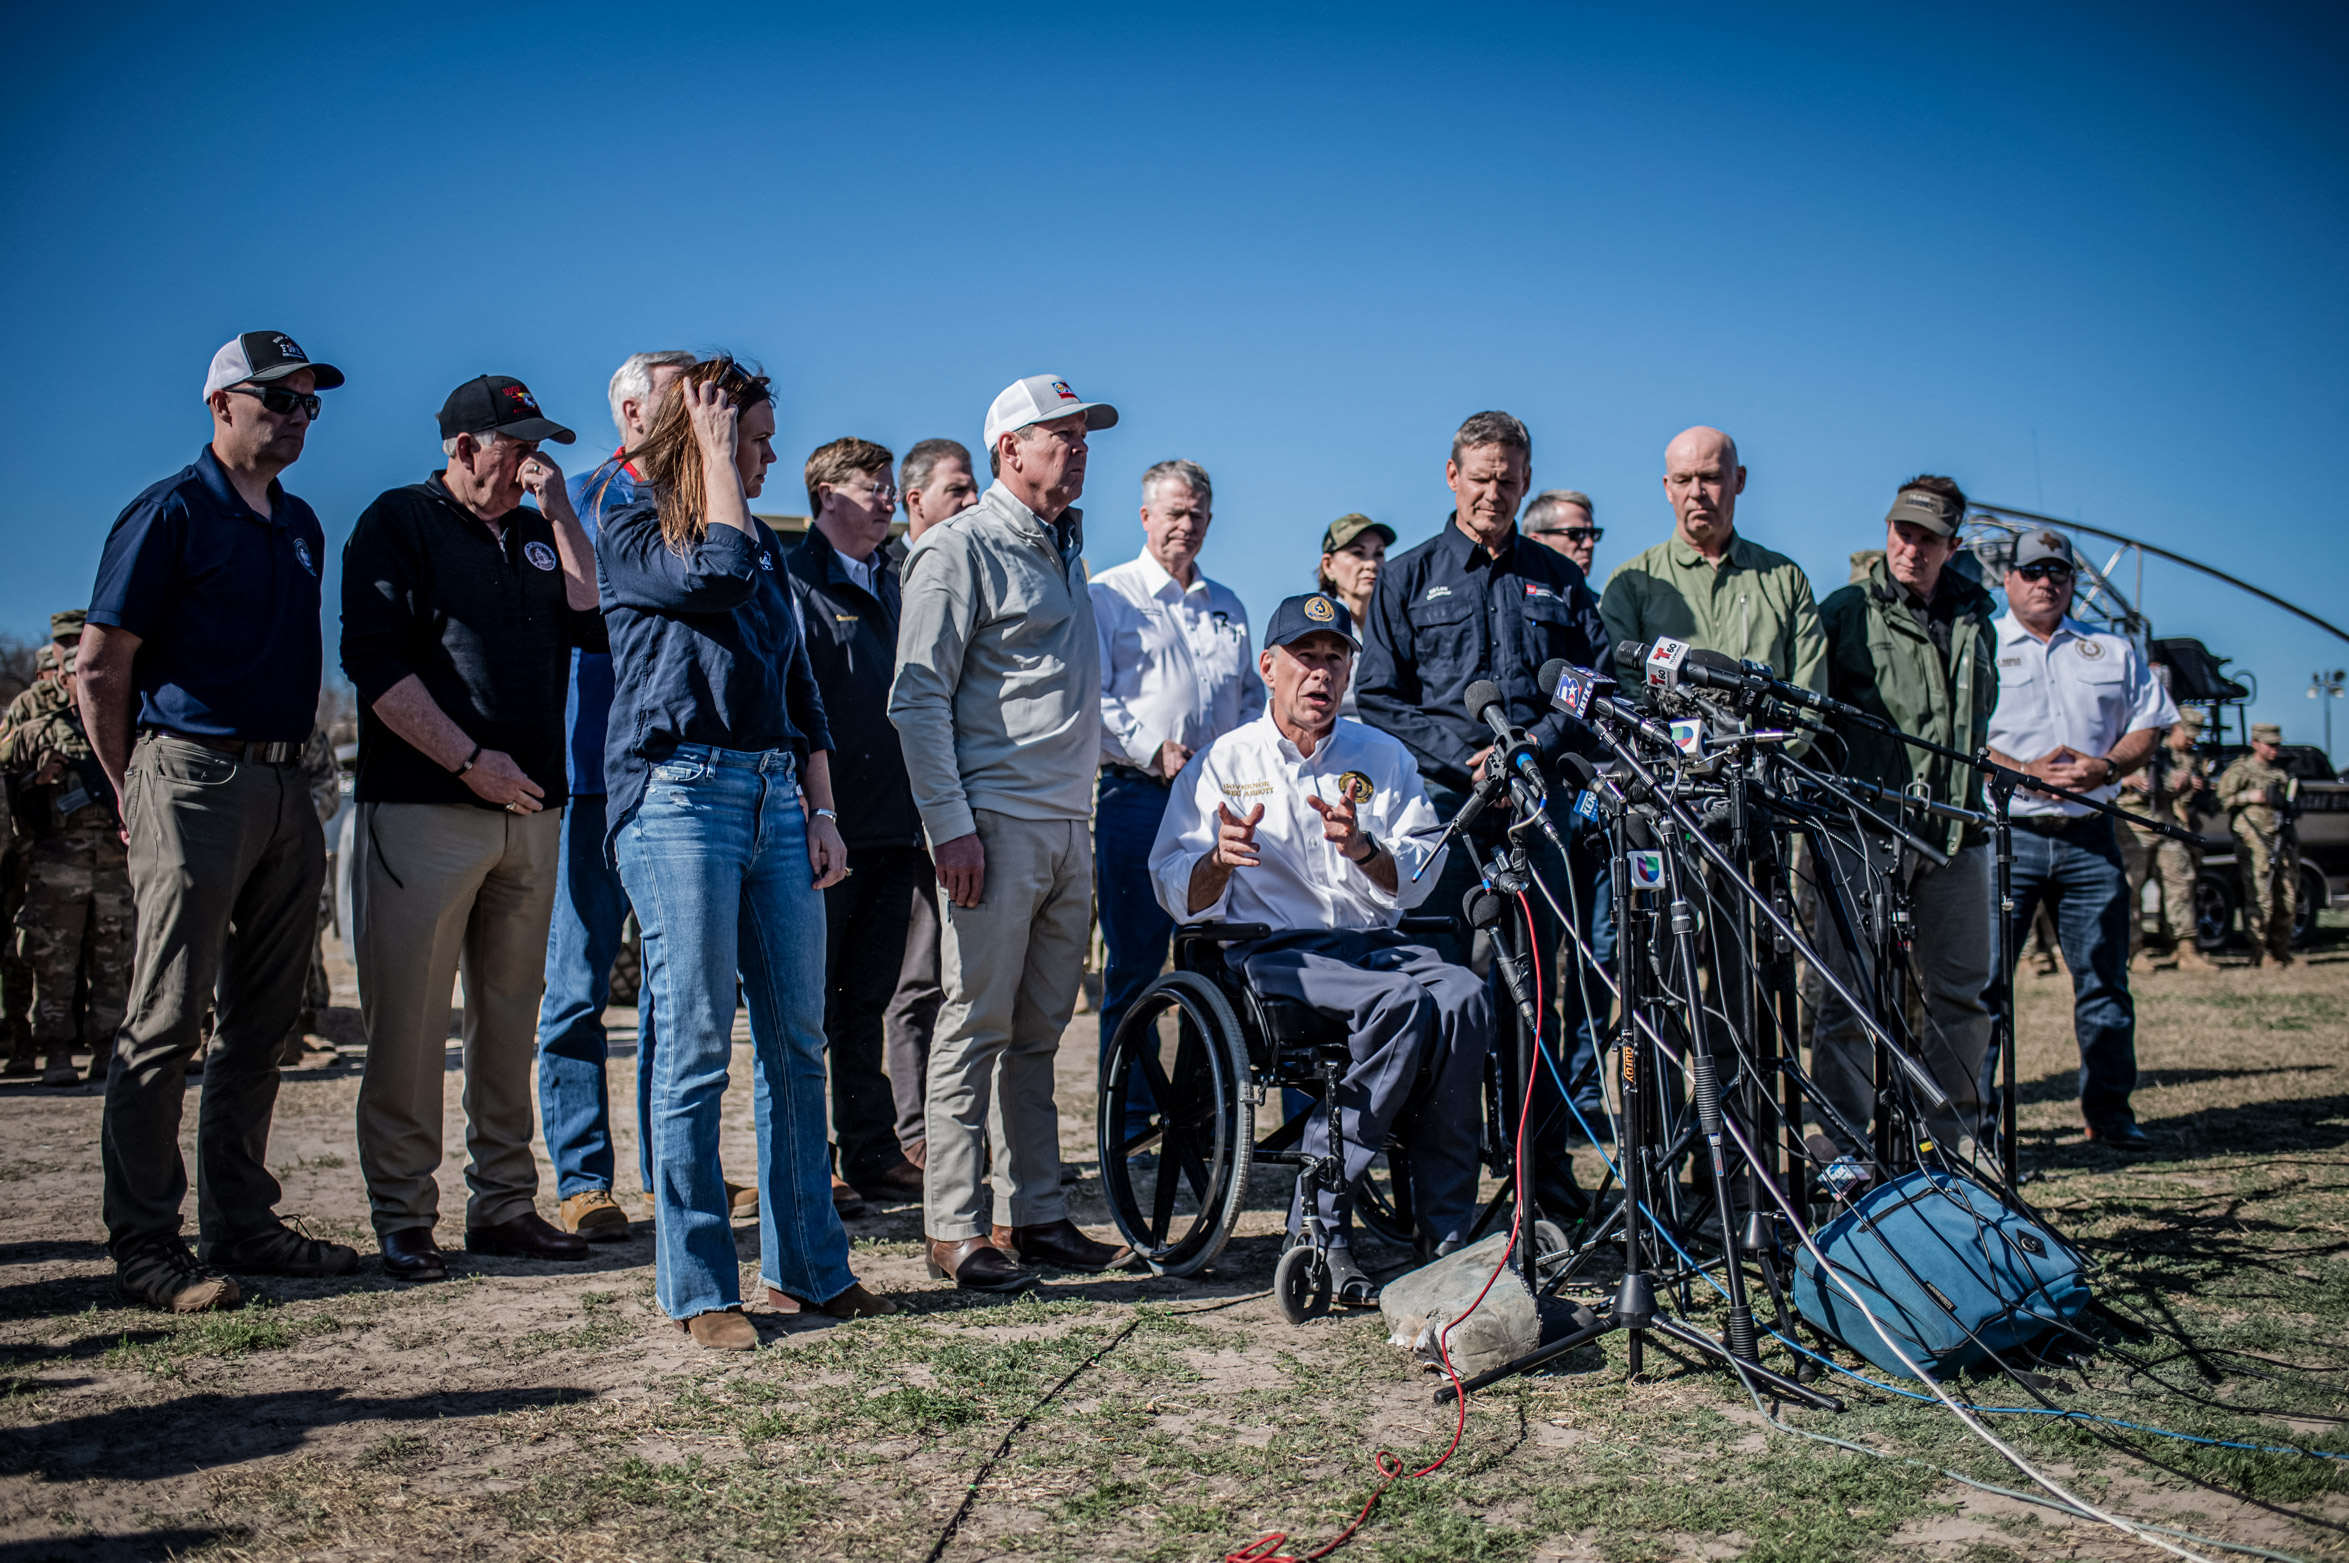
(480, 619)
(851, 637)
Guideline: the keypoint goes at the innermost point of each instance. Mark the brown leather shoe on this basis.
(526, 1236)
(721, 1329)
(742, 1200)
(976, 1265)
(1064, 1246)
(846, 1200)
(855, 1303)
(595, 1215)
(898, 1185)
(918, 1153)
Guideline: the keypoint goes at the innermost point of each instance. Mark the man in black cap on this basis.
(460, 611)
(198, 675)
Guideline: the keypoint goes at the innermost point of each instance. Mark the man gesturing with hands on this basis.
(1321, 829)
(461, 606)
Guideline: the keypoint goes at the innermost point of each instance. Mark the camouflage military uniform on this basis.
(2255, 795)
(2169, 799)
(36, 702)
(76, 917)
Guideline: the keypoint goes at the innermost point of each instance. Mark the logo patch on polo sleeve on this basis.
(302, 555)
(540, 554)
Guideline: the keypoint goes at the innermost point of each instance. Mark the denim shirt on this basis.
(705, 650)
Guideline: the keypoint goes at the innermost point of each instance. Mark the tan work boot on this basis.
(2192, 959)
(594, 1215)
(721, 1329)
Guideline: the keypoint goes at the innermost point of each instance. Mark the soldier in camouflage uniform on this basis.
(2256, 792)
(43, 696)
(2166, 790)
(76, 916)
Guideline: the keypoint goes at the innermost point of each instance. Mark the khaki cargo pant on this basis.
(2270, 899)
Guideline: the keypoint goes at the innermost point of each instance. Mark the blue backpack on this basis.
(1935, 1257)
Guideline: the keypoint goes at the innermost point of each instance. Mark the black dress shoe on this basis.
(976, 1265)
(2119, 1136)
(1064, 1246)
(410, 1254)
(526, 1236)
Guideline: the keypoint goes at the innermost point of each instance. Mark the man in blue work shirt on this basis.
(1477, 601)
(198, 675)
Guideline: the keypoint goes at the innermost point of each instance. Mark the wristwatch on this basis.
(831, 814)
(1369, 857)
(2112, 772)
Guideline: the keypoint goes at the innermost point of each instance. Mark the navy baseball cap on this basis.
(500, 403)
(1312, 614)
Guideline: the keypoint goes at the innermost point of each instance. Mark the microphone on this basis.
(1671, 664)
(1486, 705)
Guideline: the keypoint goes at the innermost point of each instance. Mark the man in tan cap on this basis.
(2167, 789)
(2256, 791)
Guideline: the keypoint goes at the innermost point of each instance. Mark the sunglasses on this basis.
(1574, 534)
(2059, 573)
(281, 401)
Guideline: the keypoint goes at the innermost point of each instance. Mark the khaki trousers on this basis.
(1010, 966)
(435, 887)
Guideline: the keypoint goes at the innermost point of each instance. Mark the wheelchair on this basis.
(1178, 1106)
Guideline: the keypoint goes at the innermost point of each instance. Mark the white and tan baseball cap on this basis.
(1040, 398)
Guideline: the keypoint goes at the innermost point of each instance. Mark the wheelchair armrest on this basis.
(1217, 932)
(1428, 925)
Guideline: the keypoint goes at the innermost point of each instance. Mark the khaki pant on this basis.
(1011, 967)
(435, 886)
(2179, 866)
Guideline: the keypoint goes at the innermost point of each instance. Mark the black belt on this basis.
(2049, 824)
(236, 748)
(1136, 773)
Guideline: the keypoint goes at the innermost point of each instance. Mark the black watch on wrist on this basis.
(1369, 857)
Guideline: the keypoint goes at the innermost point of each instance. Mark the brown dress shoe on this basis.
(595, 1215)
(742, 1200)
(721, 1329)
(1064, 1246)
(526, 1236)
(846, 1200)
(976, 1265)
(898, 1185)
(855, 1303)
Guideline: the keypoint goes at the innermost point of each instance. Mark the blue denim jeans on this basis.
(715, 860)
(574, 1103)
(1134, 927)
(2081, 877)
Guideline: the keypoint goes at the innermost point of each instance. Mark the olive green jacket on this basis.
(1756, 606)
(1880, 659)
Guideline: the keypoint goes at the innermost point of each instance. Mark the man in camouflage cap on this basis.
(76, 915)
(2256, 792)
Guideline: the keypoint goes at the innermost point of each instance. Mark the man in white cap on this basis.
(997, 705)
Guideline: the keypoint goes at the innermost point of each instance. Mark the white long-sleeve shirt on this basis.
(2080, 687)
(1175, 662)
(1300, 880)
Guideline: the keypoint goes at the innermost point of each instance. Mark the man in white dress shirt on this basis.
(2080, 709)
(1176, 675)
(1321, 829)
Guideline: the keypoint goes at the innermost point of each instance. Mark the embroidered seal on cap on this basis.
(540, 554)
(1318, 609)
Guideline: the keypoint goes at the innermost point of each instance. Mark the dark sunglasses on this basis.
(2045, 572)
(1574, 534)
(281, 401)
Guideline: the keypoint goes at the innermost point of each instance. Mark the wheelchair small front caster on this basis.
(1301, 1282)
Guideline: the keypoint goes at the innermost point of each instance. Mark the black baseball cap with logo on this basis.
(1315, 613)
(499, 403)
(258, 357)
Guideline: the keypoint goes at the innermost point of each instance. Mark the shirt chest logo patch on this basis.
(1532, 590)
(1355, 787)
(2088, 648)
(766, 561)
(1433, 592)
(302, 556)
(540, 555)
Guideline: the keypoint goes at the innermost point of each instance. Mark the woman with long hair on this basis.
(1353, 551)
(721, 822)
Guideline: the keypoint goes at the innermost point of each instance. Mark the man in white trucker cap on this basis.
(997, 706)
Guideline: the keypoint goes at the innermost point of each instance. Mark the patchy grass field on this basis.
(539, 1411)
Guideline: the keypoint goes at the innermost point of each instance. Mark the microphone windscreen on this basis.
(1705, 657)
(1630, 652)
(1552, 671)
(1484, 692)
(1576, 771)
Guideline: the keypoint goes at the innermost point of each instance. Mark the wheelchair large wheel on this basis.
(1383, 1205)
(1178, 1124)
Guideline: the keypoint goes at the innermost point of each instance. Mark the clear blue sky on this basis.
(2090, 260)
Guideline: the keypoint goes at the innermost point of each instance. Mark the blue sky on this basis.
(2083, 259)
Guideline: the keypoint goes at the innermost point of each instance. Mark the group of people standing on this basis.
(870, 791)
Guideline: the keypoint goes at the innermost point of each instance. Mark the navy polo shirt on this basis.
(225, 604)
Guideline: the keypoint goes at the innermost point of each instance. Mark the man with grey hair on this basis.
(1560, 519)
(935, 481)
(1177, 673)
(591, 906)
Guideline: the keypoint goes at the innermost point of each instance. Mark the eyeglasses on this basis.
(281, 401)
(2058, 573)
(1574, 534)
(879, 493)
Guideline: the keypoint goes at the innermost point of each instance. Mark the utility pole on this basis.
(2323, 686)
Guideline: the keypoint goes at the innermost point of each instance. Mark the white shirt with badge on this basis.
(2080, 687)
(1175, 663)
(1300, 880)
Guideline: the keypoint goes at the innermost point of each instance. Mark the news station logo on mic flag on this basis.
(1646, 869)
(1575, 687)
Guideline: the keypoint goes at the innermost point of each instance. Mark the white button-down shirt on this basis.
(861, 571)
(1175, 663)
(1300, 880)
(2079, 687)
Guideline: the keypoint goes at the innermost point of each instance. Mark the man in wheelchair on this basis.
(1320, 828)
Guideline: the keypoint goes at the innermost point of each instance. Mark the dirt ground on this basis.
(527, 1410)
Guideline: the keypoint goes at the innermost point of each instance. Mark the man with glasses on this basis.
(199, 674)
(844, 588)
(460, 610)
(1560, 520)
(2081, 709)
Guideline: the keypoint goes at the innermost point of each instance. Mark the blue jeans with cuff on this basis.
(574, 1101)
(715, 860)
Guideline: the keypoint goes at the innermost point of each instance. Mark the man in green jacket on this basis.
(1710, 587)
(1913, 645)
